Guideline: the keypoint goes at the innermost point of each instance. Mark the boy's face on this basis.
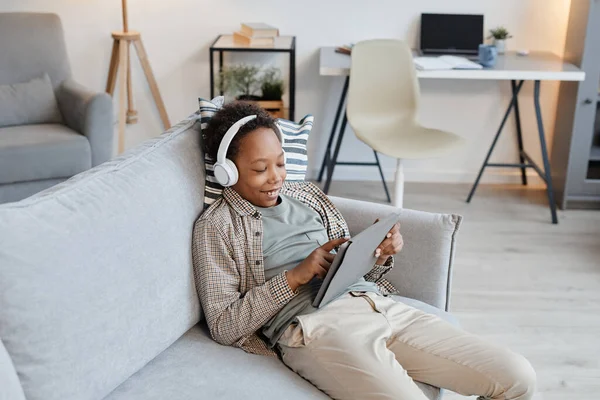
(261, 167)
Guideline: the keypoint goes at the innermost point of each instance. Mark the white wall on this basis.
(177, 34)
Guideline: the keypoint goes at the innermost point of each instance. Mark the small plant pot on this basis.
(248, 97)
(500, 45)
(273, 107)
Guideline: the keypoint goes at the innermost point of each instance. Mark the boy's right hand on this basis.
(316, 264)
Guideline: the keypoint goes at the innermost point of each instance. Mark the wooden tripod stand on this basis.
(120, 61)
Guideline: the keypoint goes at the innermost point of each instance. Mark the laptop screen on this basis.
(451, 33)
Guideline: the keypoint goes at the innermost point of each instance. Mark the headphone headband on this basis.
(226, 141)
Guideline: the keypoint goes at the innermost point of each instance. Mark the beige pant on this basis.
(372, 348)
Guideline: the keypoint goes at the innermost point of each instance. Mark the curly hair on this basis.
(225, 118)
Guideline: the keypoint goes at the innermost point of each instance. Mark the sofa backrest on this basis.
(96, 273)
(31, 44)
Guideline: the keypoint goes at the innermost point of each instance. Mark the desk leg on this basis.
(487, 157)
(327, 156)
(519, 133)
(333, 161)
(547, 172)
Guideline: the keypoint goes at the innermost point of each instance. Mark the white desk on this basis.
(541, 66)
(536, 67)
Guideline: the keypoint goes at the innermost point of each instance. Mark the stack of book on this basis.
(256, 34)
(345, 49)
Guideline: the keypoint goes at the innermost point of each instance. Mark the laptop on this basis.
(452, 34)
(353, 260)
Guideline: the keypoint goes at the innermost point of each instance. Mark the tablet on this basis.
(354, 259)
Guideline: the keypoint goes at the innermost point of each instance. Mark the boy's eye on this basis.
(261, 170)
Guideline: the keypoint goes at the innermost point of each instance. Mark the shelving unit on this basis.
(283, 44)
(575, 158)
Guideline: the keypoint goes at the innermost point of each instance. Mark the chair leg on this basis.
(399, 184)
(387, 194)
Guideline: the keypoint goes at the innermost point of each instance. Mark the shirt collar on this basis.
(242, 206)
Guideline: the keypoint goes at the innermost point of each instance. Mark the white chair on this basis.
(383, 99)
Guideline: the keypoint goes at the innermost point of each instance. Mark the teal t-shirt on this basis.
(291, 231)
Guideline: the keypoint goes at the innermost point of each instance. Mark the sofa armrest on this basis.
(423, 269)
(91, 114)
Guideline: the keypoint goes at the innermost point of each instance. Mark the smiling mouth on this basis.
(271, 192)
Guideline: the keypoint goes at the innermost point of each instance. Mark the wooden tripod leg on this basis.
(123, 60)
(152, 82)
(112, 69)
(131, 112)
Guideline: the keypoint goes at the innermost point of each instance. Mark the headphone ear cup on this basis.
(226, 173)
(233, 172)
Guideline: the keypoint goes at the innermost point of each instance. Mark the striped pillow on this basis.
(295, 138)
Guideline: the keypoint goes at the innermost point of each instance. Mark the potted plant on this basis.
(241, 81)
(500, 34)
(272, 87)
(244, 81)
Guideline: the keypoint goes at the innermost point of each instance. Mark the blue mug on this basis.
(488, 54)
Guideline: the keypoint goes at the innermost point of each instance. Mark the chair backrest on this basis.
(31, 44)
(383, 82)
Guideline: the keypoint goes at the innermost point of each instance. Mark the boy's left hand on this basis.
(392, 244)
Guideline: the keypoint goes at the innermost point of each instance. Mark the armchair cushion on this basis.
(36, 152)
(31, 102)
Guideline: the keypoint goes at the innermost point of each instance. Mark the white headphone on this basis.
(224, 169)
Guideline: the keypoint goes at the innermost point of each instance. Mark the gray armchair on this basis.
(36, 156)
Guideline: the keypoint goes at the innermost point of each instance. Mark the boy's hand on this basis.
(316, 264)
(392, 244)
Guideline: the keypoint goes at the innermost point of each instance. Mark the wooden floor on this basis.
(519, 280)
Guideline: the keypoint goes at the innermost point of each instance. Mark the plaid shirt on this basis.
(229, 268)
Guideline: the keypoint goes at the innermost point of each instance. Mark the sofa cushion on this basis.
(37, 152)
(197, 364)
(196, 367)
(96, 272)
(295, 140)
(31, 102)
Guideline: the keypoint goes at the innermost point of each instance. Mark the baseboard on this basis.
(491, 175)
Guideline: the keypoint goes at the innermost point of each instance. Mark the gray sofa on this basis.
(97, 291)
(35, 156)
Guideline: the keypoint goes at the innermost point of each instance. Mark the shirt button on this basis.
(257, 262)
(256, 214)
(257, 234)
